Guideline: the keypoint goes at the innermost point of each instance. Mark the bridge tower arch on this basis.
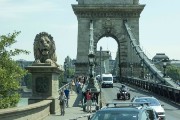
(108, 17)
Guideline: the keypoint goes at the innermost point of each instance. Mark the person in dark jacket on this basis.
(66, 91)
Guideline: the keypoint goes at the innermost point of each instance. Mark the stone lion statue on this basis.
(44, 49)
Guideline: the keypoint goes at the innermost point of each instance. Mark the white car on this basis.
(153, 103)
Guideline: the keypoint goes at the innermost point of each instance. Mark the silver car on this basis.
(153, 103)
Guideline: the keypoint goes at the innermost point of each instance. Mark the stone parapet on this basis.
(36, 111)
(45, 84)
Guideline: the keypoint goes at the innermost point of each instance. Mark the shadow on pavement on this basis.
(77, 100)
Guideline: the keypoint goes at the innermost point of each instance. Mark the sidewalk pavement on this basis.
(72, 112)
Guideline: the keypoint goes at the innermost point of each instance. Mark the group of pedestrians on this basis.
(76, 84)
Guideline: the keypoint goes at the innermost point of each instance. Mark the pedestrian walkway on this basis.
(74, 110)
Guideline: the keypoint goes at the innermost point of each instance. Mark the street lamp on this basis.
(65, 71)
(142, 70)
(164, 66)
(100, 78)
(91, 58)
(93, 86)
(131, 66)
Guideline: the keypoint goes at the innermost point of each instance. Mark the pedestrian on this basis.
(84, 82)
(66, 91)
(93, 97)
(78, 85)
(62, 102)
(72, 86)
(88, 100)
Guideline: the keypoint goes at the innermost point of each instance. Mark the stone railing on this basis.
(64, 87)
(168, 92)
(36, 111)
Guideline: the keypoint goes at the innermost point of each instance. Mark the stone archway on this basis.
(107, 17)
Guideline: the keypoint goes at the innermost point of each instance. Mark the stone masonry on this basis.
(107, 17)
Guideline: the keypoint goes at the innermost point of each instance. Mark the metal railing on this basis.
(168, 92)
(146, 61)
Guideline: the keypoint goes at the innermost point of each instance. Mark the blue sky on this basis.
(159, 26)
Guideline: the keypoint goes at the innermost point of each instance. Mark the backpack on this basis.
(61, 102)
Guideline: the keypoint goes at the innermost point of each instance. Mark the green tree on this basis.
(10, 72)
(61, 79)
(70, 72)
(173, 72)
(28, 80)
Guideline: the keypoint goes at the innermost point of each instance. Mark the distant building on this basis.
(69, 64)
(111, 65)
(159, 57)
(105, 62)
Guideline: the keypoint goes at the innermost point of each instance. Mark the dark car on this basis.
(122, 111)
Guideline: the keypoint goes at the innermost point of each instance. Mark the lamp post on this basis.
(91, 58)
(65, 71)
(120, 76)
(100, 62)
(131, 66)
(100, 104)
(164, 66)
(142, 70)
(91, 64)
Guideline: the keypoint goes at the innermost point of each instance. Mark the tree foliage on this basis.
(173, 72)
(10, 72)
(70, 72)
(28, 80)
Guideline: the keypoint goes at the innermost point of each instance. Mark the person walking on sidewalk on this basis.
(78, 85)
(72, 86)
(62, 102)
(66, 91)
(88, 100)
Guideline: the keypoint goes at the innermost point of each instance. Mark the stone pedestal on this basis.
(45, 85)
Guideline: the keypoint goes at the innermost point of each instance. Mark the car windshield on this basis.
(107, 78)
(151, 101)
(115, 115)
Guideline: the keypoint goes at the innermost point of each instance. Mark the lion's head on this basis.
(44, 48)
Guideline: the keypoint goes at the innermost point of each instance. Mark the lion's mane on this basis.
(44, 49)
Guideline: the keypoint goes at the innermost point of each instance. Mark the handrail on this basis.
(169, 92)
(64, 87)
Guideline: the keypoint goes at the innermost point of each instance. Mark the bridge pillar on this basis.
(45, 85)
(107, 17)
